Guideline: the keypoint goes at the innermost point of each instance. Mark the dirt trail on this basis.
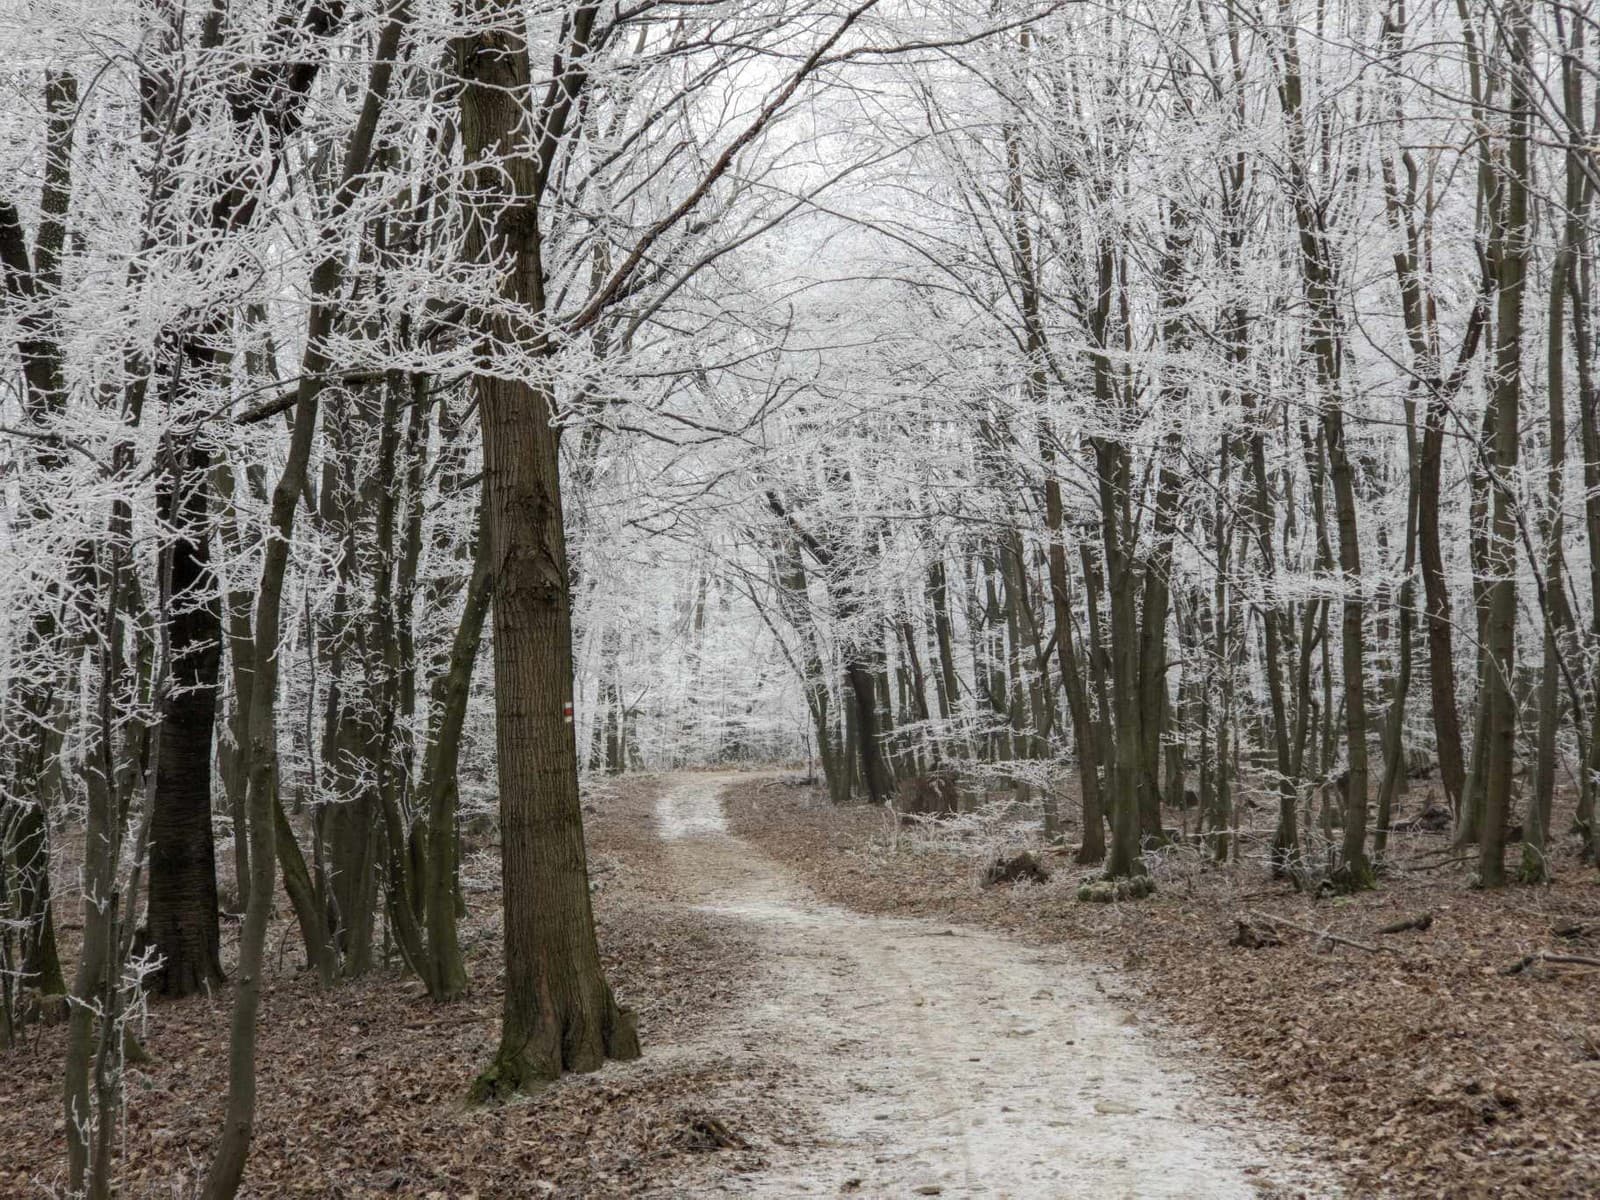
(948, 1061)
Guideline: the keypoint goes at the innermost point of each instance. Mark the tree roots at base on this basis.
(524, 1070)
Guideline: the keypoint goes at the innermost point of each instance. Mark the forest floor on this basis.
(362, 1086)
(1420, 1068)
(833, 1004)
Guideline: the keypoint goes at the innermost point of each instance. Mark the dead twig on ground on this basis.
(1543, 956)
(1323, 934)
(1449, 862)
(1251, 938)
(1419, 922)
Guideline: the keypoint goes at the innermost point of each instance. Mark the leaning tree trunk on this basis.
(447, 971)
(233, 1146)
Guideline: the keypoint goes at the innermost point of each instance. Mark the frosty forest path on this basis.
(948, 1061)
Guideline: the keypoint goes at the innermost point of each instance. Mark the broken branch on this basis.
(1419, 922)
(1540, 956)
(1323, 934)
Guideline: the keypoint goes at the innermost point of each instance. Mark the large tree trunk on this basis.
(187, 870)
(1121, 570)
(1509, 255)
(875, 773)
(182, 913)
(559, 1013)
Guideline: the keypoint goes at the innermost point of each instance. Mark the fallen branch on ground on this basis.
(1449, 862)
(1419, 922)
(1541, 956)
(1251, 938)
(1323, 934)
(1436, 852)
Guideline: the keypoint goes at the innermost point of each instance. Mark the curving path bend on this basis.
(952, 1062)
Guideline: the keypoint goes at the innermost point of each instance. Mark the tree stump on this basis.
(1253, 937)
(927, 796)
(1011, 870)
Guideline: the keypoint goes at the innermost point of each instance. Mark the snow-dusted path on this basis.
(948, 1061)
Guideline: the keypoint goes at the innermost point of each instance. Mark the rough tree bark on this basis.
(1509, 257)
(182, 911)
(559, 1013)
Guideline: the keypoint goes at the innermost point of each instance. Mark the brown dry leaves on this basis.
(1422, 1073)
(362, 1086)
